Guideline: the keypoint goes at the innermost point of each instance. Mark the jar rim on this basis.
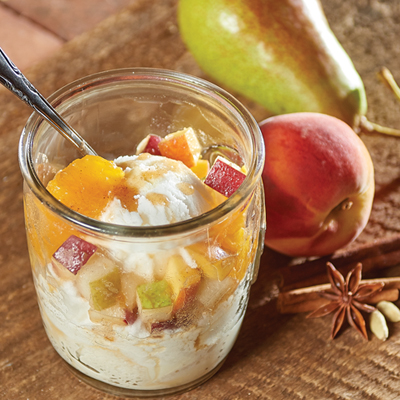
(141, 74)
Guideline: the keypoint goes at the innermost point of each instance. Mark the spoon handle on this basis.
(13, 79)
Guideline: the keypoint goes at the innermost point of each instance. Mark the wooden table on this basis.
(276, 356)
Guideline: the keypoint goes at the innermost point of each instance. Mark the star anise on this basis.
(348, 298)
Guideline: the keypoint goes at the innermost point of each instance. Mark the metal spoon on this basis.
(13, 79)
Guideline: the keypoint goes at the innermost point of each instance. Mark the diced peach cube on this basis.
(244, 259)
(73, 254)
(149, 145)
(183, 280)
(230, 234)
(214, 262)
(87, 184)
(181, 145)
(224, 177)
(201, 169)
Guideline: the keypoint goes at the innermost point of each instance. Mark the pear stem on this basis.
(369, 127)
(388, 79)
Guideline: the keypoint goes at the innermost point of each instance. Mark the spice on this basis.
(344, 298)
(378, 254)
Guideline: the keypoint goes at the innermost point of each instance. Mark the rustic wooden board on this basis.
(276, 357)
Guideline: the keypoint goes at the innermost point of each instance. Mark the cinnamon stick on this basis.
(381, 253)
(308, 299)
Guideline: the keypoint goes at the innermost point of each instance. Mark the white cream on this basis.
(164, 191)
(127, 356)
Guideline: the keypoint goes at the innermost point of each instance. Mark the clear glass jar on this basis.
(113, 346)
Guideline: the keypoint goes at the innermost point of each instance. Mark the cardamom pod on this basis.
(389, 310)
(378, 326)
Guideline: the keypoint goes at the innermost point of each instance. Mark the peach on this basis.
(183, 280)
(182, 145)
(149, 145)
(319, 184)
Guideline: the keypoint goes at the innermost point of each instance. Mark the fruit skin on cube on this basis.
(154, 301)
(99, 282)
(131, 316)
(183, 280)
(104, 291)
(224, 177)
(149, 145)
(73, 254)
(181, 145)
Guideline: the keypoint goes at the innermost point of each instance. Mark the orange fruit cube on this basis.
(201, 169)
(86, 185)
(182, 146)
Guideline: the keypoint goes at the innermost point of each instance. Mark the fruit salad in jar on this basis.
(145, 315)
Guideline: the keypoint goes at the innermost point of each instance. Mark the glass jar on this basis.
(114, 344)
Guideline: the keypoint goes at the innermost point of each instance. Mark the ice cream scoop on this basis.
(158, 191)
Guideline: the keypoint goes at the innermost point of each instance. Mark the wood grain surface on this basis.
(275, 357)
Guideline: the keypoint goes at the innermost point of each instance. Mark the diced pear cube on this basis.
(212, 292)
(224, 177)
(149, 145)
(105, 291)
(154, 301)
(181, 145)
(183, 280)
(99, 282)
(129, 284)
(73, 254)
(111, 316)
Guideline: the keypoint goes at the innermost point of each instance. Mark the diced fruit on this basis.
(181, 145)
(230, 233)
(104, 291)
(149, 145)
(224, 177)
(201, 169)
(86, 185)
(243, 260)
(99, 282)
(129, 283)
(154, 301)
(214, 262)
(211, 292)
(46, 230)
(131, 316)
(183, 280)
(112, 315)
(73, 254)
(160, 326)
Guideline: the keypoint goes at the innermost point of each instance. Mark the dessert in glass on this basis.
(143, 256)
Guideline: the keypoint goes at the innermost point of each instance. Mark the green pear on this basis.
(281, 54)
